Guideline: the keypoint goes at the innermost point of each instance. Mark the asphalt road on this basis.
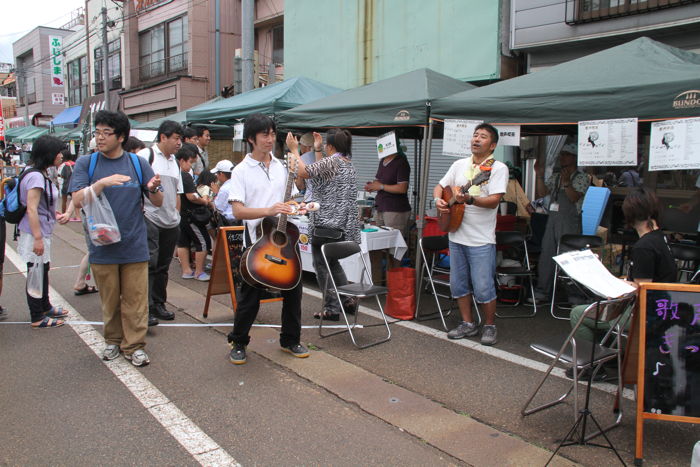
(416, 400)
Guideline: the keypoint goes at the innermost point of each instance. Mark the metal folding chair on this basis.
(567, 350)
(515, 242)
(337, 251)
(429, 248)
(688, 259)
(569, 242)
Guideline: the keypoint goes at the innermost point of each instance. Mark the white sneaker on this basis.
(138, 358)
(110, 352)
(203, 277)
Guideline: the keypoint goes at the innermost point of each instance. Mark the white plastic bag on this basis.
(35, 279)
(101, 224)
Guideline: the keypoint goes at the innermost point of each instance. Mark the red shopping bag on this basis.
(401, 299)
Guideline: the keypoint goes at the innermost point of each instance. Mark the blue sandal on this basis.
(48, 323)
(56, 312)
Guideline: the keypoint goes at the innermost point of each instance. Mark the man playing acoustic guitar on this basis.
(257, 191)
(473, 244)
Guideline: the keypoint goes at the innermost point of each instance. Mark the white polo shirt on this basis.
(478, 226)
(166, 216)
(257, 186)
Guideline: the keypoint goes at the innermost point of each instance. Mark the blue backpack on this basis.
(134, 161)
(11, 208)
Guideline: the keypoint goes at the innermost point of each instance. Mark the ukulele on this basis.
(273, 261)
(450, 221)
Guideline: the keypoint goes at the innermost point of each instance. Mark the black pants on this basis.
(38, 307)
(161, 247)
(249, 305)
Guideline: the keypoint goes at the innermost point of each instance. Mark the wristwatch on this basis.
(156, 189)
(470, 201)
(381, 187)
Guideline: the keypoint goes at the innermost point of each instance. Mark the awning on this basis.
(70, 116)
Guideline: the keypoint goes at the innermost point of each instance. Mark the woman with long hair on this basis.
(335, 188)
(40, 196)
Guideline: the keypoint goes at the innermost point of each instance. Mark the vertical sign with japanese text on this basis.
(2, 123)
(56, 51)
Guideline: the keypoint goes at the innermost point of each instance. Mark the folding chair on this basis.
(575, 353)
(570, 242)
(337, 251)
(431, 247)
(515, 242)
(687, 257)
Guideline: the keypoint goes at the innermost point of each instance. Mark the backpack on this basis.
(134, 161)
(11, 208)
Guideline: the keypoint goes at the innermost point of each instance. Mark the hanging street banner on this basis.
(508, 135)
(55, 48)
(607, 142)
(675, 145)
(2, 123)
(386, 145)
(457, 137)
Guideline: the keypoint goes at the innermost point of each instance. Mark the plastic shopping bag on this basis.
(101, 224)
(35, 279)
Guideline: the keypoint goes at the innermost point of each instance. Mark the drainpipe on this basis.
(217, 46)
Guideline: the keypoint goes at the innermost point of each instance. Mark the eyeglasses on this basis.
(98, 133)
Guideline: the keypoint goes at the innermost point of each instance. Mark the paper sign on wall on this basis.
(58, 98)
(508, 135)
(675, 145)
(457, 138)
(386, 145)
(238, 131)
(607, 142)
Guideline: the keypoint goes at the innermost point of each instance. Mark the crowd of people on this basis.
(167, 201)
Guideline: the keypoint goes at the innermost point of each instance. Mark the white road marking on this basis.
(204, 449)
(492, 351)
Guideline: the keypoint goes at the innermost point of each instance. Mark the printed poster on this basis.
(386, 145)
(508, 135)
(675, 145)
(457, 138)
(607, 142)
(238, 131)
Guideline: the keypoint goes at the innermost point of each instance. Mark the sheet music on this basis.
(585, 268)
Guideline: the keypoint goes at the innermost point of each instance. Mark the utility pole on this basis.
(105, 68)
(247, 43)
(271, 70)
(22, 74)
(237, 75)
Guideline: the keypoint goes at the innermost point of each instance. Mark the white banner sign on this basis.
(58, 98)
(675, 145)
(457, 138)
(55, 51)
(607, 142)
(386, 145)
(508, 135)
(238, 131)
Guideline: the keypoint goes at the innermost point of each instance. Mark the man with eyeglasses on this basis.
(163, 222)
(120, 269)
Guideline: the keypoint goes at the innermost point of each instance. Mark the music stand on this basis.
(585, 413)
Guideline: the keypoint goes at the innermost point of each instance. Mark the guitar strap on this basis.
(475, 190)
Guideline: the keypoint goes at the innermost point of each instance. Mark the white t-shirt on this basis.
(478, 224)
(221, 201)
(167, 215)
(257, 186)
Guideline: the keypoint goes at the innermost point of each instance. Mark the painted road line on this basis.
(488, 350)
(204, 449)
(196, 325)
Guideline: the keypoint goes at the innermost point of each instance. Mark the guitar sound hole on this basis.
(279, 238)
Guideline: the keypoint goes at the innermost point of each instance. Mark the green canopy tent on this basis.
(400, 101)
(270, 100)
(25, 134)
(642, 78)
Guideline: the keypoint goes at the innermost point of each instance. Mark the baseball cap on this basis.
(223, 166)
(571, 148)
(307, 139)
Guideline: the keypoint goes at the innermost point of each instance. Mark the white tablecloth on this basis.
(370, 241)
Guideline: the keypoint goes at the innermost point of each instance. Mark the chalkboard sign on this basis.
(669, 355)
(226, 266)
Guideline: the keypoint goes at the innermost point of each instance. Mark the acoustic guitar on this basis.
(450, 221)
(273, 261)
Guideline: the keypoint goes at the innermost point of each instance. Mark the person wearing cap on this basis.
(566, 189)
(222, 171)
(308, 157)
(391, 201)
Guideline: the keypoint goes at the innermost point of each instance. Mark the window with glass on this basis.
(77, 80)
(590, 10)
(114, 62)
(278, 45)
(163, 49)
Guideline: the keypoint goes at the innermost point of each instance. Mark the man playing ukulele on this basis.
(473, 244)
(257, 191)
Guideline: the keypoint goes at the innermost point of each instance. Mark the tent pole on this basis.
(425, 167)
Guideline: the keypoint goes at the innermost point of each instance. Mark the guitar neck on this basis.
(282, 222)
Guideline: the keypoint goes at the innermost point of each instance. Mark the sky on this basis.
(21, 16)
